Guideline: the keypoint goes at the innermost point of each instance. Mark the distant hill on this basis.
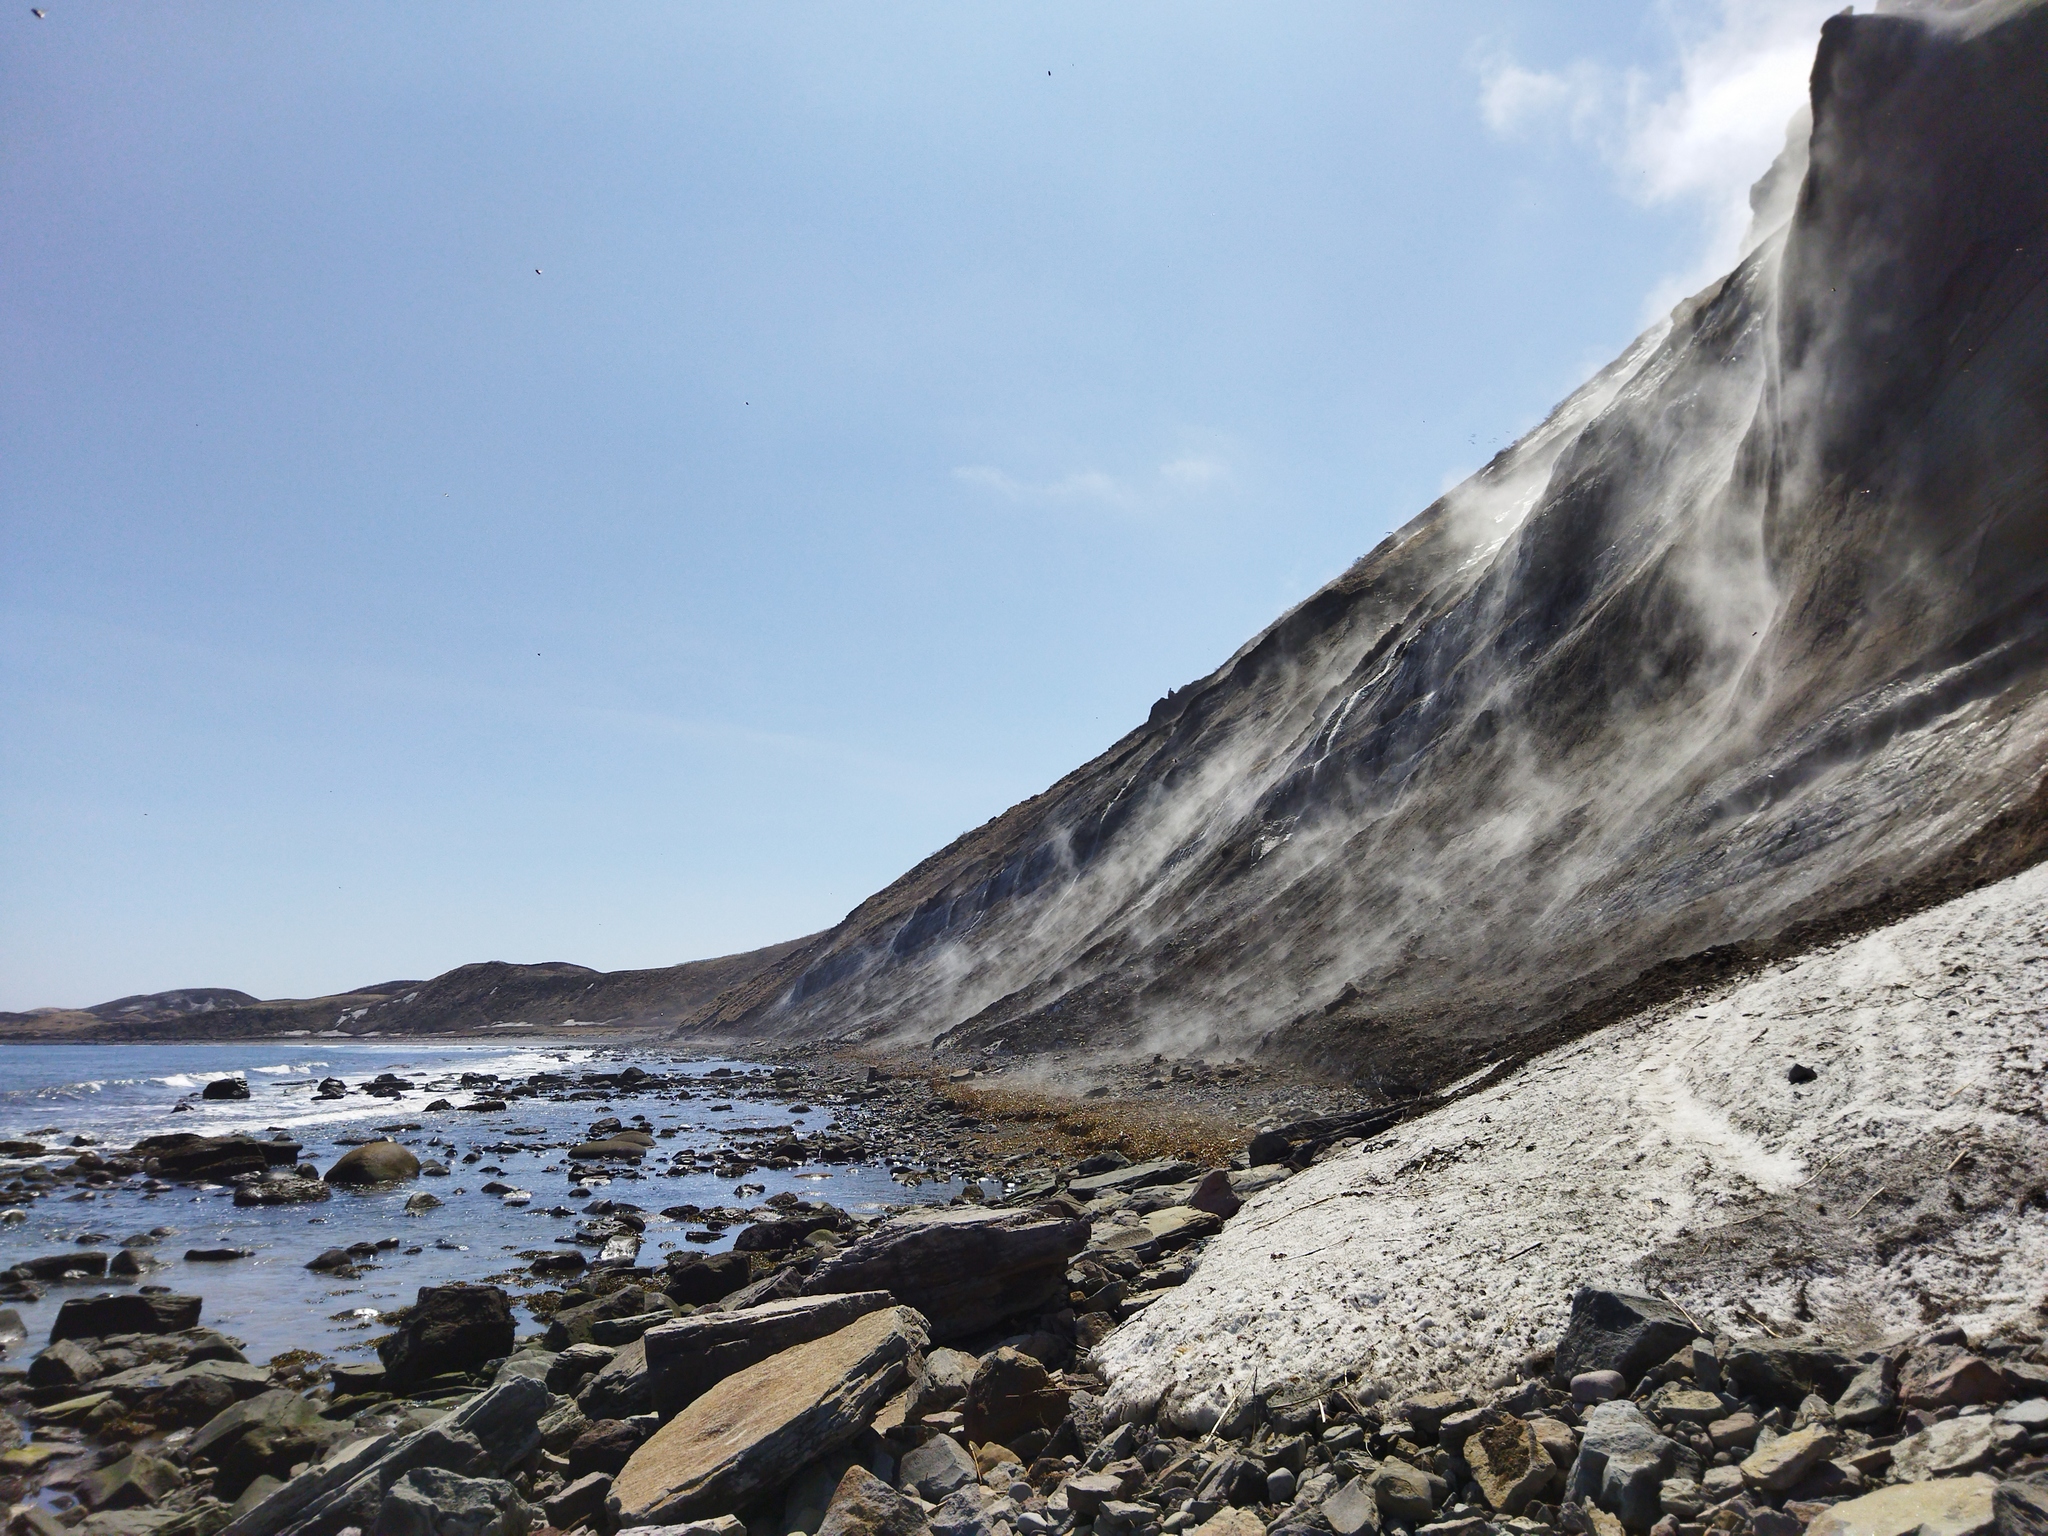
(470, 997)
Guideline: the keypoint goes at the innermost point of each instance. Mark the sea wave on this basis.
(288, 1070)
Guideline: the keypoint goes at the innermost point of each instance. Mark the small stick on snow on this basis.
(1520, 1251)
(1952, 1167)
(1866, 1204)
(1228, 1408)
(1757, 1317)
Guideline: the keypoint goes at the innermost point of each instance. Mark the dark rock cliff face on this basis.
(1748, 638)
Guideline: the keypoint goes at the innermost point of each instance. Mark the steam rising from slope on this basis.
(1746, 631)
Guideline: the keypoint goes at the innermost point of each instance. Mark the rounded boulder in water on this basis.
(374, 1162)
(225, 1088)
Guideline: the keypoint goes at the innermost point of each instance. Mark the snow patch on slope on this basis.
(1672, 1153)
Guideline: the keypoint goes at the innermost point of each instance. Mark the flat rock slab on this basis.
(1951, 1506)
(752, 1431)
(688, 1357)
(1136, 1176)
(966, 1270)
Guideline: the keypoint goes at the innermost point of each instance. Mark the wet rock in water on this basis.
(561, 1261)
(428, 1501)
(449, 1328)
(937, 1468)
(333, 1261)
(1622, 1462)
(270, 1433)
(331, 1088)
(94, 1317)
(1618, 1331)
(688, 1357)
(216, 1255)
(965, 1269)
(864, 1505)
(421, 1203)
(374, 1162)
(190, 1396)
(1010, 1396)
(1509, 1465)
(744, 1438)
(1960, 1506)
(134, 1480)
(610, 1149)
(225, 1088)
(56, 1266)
(187, 1155)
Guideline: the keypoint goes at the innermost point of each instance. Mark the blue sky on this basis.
(622, 483)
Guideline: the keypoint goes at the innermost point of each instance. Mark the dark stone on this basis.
(1616, 1331)
(580, 1503)
(1798, 1074)
(1787, 1371)
(450, 1328)
(225, 1088)
(965, 1269)
(95, 1317)
(697, 1279)
(1010, 1396)
(604, 1447)
(55, 1266)
(269, 1434)
(187, 1155)
(375, 1162)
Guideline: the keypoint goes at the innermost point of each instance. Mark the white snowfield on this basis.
(1668, 1153)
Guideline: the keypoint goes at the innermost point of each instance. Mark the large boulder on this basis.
(449, 1328)
(1010, 1396)
(937, 1469)
(1621, 1465)
(965, 1269)
(746, 1436)
(226, 1088)
(374, 1162)
(688, 1357)
(97, 1317)
(269, 1434)
(428, 1501)
(1617, 1331)
(188, 1155)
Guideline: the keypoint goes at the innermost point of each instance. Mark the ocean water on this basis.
(118, 1093)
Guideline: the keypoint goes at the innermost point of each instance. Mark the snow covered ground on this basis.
(1907, 1180)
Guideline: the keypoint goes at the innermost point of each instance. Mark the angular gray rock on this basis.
(1352, 1510)
(939, 1467)
(745, 1437)
(1955, 1506)
(268, 1434)
(428, 1501)
(1617, 1331)
(688, 1357)
(622, 1388)
(1952, 1448)
(965, 1269)
(486, 1436)
(1622, 1461)
(1786, 1371)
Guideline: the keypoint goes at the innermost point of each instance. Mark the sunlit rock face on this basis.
(1748, 637)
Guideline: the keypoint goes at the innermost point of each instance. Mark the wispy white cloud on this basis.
(1699, 130)
(1173, 480)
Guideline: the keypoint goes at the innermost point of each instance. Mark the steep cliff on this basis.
(1746, 640)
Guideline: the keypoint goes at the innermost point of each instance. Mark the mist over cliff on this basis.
(1746, 638)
